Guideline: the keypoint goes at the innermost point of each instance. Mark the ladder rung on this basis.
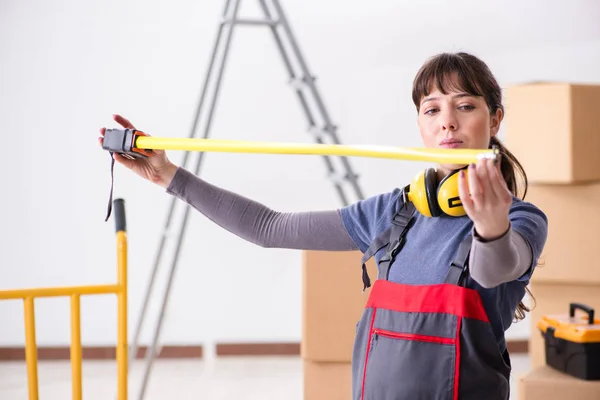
(299, 83)
(321, 133)
(317, 132)
(340, 178)
(269, 22)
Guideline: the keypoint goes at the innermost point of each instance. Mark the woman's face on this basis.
(456, 120)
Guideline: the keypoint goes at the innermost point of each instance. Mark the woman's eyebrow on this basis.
(456, 96)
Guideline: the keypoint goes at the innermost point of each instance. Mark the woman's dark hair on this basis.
(467, 73)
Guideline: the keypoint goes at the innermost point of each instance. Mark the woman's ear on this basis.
(495, 121)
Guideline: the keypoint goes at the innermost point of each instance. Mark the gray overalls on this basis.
(430, 342)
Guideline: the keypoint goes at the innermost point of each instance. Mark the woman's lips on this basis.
(450, 143)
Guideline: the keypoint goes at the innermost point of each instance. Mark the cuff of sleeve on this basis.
(178, 183)
(505, 236)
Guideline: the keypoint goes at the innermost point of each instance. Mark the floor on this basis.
(248, 378)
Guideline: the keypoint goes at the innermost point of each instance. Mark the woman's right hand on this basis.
(156, 168)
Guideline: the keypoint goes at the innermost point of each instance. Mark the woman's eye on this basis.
(431, 111)
(467, 107)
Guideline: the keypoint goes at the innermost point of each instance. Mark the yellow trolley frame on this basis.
(75, 292)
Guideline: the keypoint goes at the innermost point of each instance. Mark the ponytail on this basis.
(511, 170)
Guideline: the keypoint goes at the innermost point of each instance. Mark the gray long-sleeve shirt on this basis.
(491, 263)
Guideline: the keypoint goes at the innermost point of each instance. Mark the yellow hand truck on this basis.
(75, 292)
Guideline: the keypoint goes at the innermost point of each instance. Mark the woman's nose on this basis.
(449, 122)
(449, 127)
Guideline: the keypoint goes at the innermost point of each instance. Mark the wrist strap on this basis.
(112, 181)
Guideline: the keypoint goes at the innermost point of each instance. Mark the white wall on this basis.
(68, 65)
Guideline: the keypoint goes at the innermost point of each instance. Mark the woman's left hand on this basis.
(486, 198)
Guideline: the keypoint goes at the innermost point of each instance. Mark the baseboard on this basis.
(518, 346)
(293, 349)
(97, 353)
(170, 352)
(258, 349)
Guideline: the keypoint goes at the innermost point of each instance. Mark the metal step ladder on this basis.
(320, 127)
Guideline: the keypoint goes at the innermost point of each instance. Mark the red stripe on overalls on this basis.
(367, 354)
(457, 362)
(441, 298)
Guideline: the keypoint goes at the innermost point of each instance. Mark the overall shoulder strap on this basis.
(458, 271)
(393, 238)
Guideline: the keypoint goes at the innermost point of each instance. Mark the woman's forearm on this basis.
(501, 260)
(256, 223)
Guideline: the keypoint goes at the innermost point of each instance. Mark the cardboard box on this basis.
(571, 252)
(545, 383)
(332, 303)
(552, 128)
(327, 381)
(554, 298)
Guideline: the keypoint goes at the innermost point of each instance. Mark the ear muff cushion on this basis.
(431, 189)
(448, 197)
(417, 194)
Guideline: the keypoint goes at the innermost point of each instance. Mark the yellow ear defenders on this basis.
(433, 199)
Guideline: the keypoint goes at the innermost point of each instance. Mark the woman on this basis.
(435, 320)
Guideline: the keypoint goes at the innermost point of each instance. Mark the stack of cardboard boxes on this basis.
(554, 131)
(332, 304)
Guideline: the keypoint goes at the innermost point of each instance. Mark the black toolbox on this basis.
(573, 342)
